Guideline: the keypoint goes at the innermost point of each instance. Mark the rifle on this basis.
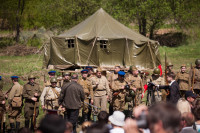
(193, 75)
(166, 72)
(34, 115)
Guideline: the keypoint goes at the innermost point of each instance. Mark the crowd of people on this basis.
(173, 105)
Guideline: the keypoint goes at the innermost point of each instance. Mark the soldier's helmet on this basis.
(66, 74)
(197, 62)
(53, 80)
(169, 64)
(156, 71)
(132, 68)
(128, 99)
(31, 76)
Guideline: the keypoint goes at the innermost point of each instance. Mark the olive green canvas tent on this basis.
(101, 40)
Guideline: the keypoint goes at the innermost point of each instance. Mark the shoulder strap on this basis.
(55, 92)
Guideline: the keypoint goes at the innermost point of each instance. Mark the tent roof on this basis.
(102, 25)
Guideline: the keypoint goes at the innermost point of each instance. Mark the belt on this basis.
(50, 99)
(100, 90)
(17, 96)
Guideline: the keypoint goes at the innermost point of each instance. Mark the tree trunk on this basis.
(18, 22)
(152, 28)
(140, 26)
(144, 26)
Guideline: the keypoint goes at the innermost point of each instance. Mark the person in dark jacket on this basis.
(173, 87)
(71, 98)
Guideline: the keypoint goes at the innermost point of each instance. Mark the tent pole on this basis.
(79, 57)
(91, 50)
(154, 65)
(128, 51)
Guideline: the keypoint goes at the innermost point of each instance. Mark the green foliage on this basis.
(35, 42)
(6, 42)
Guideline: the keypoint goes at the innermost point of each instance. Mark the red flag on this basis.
(145, 89)
(160, 67)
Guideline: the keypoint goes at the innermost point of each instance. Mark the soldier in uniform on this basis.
(15, 103)
(2, 105)
(111, 79)
(183, 80)
(49, 97)
(158, 80)
(101, 91)
(135, 82)
(195, 77)
(51, 75)
(170, 67)
(90, 72)
(31, 94)
(119, 92)
(88, 91)
(66, 78)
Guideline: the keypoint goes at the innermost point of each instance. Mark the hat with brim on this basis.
(190, 94)
(14, 77)
(50, 72)
(84, 71)
(117, 118)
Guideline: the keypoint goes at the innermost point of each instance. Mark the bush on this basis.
(35, 42)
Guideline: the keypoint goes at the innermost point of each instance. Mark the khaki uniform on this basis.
(29, 92)
(184, 82)
(118, 101)
(49, 97)
(2, 106)
(14, 113)
(101, 91)
(135, 82)
(88, 91)
(196, 75)
(111, 78)
(158, 81)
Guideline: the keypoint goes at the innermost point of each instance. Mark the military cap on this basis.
(53, 80)
(84, 71)
(169, 64)
(88, 67)
(0, 78)
(190, 94)
(117, 65)
(99, 69)
(51, 72)
(121, 73)
(197, 62)
(156, 71)
(183, 65)
(31, 77)
(133, 68)
(14, 77)
(67, 74)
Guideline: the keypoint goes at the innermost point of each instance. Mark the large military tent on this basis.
(101, 40)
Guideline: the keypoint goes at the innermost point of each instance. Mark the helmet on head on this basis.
(128, 99)
(31, 77)
(53, 80)
(197, 62)
(169, 64)
(156, 71)
(66, 74)
(127, 87)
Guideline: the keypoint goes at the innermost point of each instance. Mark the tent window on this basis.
(103, 44)
(70, 43)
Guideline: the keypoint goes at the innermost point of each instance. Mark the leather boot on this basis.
(17, 126)
(27, 123)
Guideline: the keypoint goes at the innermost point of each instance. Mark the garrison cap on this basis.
(0, 78)
(88, 67)
(14, 77)
(121, 73)
(183, 65)
(84, 71)
(51, 72)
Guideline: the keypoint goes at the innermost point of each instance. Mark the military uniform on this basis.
(2, 106)
(184, 82)
(118, 100)
(101, 91)
(14, 113)
(135, 82)
(158, 81)
(28, 92)
(88, 91)
(49, 97)
(196, 74)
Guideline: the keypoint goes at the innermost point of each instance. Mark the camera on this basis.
(142, 121)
